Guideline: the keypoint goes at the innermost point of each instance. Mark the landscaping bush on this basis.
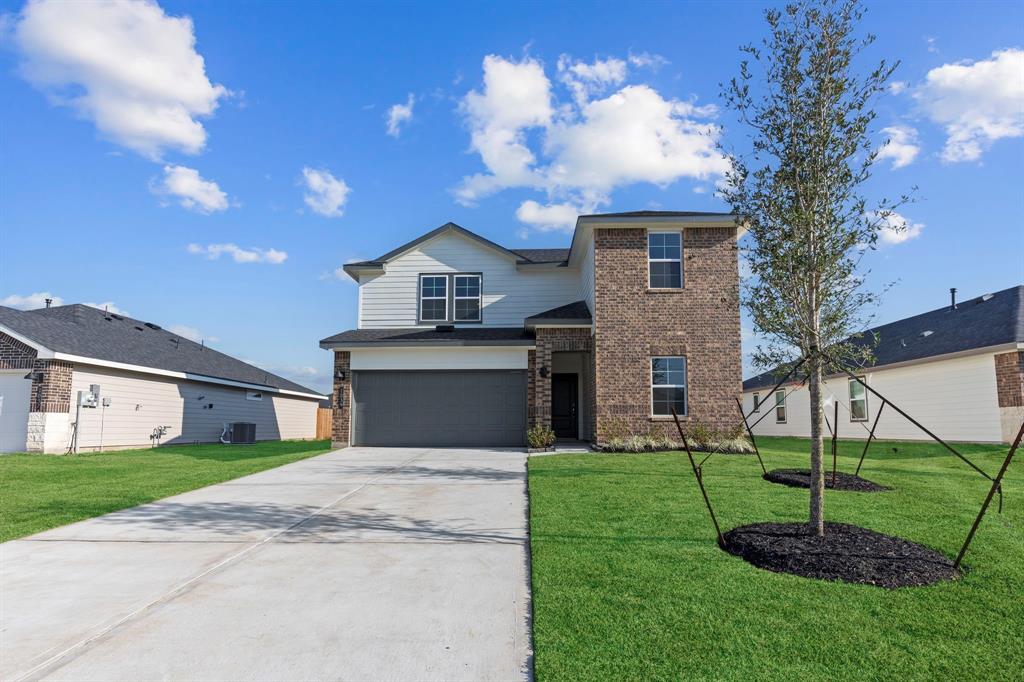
(540, 437)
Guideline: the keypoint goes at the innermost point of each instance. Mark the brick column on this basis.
(49, 417)
(1010, 392)
(341, 400)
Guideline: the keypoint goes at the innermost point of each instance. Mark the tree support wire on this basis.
(871, 437)
(996, 486)
(753, 441)
(700, 480)
(835, 435)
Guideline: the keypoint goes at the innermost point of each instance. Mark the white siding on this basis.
(439, 358)
(587, 276)
(140, 403)
(955, 399)
(509, 295)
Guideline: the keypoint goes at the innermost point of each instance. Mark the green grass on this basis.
(38, 492)
(628, 582)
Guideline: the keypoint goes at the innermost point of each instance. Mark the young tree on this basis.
(799, 188)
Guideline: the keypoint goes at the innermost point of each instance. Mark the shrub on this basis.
(540, 436)
(638, 443)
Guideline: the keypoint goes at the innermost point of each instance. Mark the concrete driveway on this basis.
(365, 563)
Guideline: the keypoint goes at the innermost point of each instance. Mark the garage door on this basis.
(14, 400)
(456, 408)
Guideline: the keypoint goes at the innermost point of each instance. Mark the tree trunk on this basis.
(817, 515)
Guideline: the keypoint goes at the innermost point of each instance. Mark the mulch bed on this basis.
(801, 478)
(847, 553)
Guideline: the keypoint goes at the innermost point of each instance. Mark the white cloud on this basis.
(549, 217)
(110, 307)
(240, 255)
(399, 114)
(896, 87)
(124, 65)
(977, 102)
(579, 151)
(191, 333)
(192, 191)
(646, 59)
(30, 301)
(902, 146)
(325, 194)
(892, 231)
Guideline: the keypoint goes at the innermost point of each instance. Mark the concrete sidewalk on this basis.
(364, 563)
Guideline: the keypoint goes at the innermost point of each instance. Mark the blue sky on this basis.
(217, 186)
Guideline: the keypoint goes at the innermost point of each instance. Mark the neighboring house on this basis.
(147, 378)
(461, 341)
(959, 370)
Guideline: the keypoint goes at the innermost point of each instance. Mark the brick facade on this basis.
(553, 340)
(1010, 379)
(51, 386)
(342, 400)
(632, 323)
(14, 354)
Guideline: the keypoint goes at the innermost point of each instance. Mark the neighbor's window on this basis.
(253, 395)
(858, 401)
(665, 259)
(668, 385)
(780, 407)
(434, 298)
(467, 298)
(757, 402)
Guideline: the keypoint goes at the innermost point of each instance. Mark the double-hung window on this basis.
(434, 298)
(858, 400)
(668, 386)
(467, 298)
(757, 402)
(780, 406)
(665, 259)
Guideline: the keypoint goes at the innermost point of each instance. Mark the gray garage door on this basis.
(440, 408)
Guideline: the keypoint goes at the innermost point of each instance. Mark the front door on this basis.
(564, 399)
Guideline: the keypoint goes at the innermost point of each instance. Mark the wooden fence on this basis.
(323, 423)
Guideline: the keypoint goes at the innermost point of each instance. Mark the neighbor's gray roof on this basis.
(989, 320)
(460, 336)
(575, 313)
(92, 333)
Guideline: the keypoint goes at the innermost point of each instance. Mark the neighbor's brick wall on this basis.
(548, 341)
(14, 354)
(633, 323)
(1010, 379)
(51, 388)
(342, 400)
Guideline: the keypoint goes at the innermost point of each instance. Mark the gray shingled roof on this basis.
(571, 312)
(543, 255)
(92, 333)
(988, 320)
(460, 336)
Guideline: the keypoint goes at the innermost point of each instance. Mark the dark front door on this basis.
(564, 399)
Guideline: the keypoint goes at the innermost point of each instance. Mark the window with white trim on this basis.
(780, 406)
(434, 298)
(665, 259)
(467, 298)
(668, 386)
(757, 402)
(858, 401)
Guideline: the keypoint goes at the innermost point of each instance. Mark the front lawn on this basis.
(628, 582)
(38, 492)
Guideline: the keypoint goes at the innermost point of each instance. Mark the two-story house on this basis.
(461, 341)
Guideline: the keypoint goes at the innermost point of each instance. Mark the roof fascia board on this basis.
(910, 363)
(553, 323)
(82, 360)
(42, 352)
(345, 345)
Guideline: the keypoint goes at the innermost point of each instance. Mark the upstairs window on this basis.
(858, 400)
(668, 386)
(665, 259)
(757, 402)
(467, 298)
(434, 298)
(780, 407)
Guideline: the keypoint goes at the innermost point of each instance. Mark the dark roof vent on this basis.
(139, 328)
(116, 316)
(151, 325)
(445, 328)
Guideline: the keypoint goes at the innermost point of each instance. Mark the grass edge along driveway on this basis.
(628, 582)
(39, 492)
